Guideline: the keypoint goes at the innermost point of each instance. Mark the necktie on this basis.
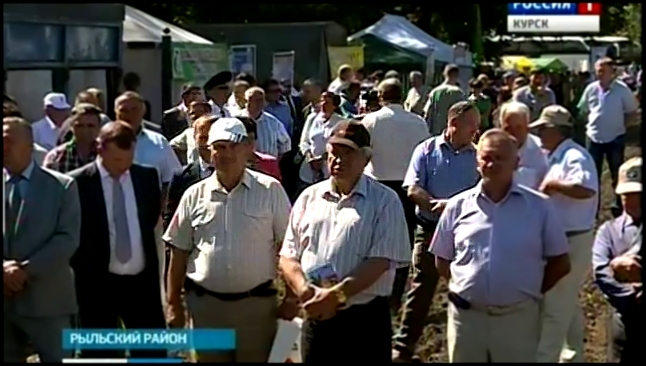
(13, 205)
(122, 248)
(222, 113)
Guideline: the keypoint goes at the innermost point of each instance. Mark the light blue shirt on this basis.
(440, 170)
(153, 149)
(607, 110)
(271, 136)
(498, 250)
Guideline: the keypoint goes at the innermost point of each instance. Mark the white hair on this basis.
(253, 91)
(516, 108)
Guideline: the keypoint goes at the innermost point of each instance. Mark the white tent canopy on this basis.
(141, 27)
(397, 30)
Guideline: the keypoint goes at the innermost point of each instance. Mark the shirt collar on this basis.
(361, 188)
(559, 151)
(51, 123)
(627, 221)
(441, 140)
(203, 164)
(182, 107)
(26, 174)
(104, 173)
(514, 189)
(213, 184)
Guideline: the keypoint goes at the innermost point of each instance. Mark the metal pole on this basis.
(166, 71)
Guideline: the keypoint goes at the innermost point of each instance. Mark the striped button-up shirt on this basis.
(232, 236)
(328, 229)
(498, 250)
(441, 170)
(271, 136)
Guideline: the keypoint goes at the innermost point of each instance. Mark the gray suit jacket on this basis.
(47, 236)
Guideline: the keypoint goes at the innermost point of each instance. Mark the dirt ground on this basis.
(432, 347)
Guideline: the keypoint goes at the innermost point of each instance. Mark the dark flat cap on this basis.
(350, 133)
(221, 78)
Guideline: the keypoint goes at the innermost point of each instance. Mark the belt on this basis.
(572, 233)
(463, 304)
(263, 290)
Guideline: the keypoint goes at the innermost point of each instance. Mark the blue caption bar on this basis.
(542, 9)
(175, 340)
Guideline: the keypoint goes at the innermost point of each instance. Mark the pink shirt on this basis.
(267, 164)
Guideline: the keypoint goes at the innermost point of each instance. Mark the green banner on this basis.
(196, 63)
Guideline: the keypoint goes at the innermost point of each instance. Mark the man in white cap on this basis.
(613, 243)
(571, 182)
(46, 131)
(225, 235)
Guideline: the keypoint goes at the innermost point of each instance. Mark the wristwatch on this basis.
(341, 298)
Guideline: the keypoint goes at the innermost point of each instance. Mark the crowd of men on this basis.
(117, 222)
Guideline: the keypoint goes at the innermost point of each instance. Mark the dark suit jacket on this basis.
(173, 123)
(178, 185)
(91, 260)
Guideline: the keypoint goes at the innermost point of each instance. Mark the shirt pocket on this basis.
(204, 228)
(257, 225)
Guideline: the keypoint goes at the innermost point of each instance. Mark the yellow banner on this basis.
(338, 56)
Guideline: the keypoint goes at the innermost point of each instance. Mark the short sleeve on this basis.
(416, 173)
(554, 239)
(292, 247)
(170, 164)
(443, 242)
(281, 208)
(629, 102)
(582, 105)
(179, 141)
(284, 141)
(390, 233)
(180, 232)
(582, 171)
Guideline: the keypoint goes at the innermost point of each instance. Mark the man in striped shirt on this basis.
(271, 137)
(345, 238)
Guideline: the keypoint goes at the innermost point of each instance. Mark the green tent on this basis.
(549, 64)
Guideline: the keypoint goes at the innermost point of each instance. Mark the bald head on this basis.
(390, 91)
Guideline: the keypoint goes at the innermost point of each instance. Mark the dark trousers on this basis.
(401, 276)
(625, 338)
(133, 302)
(360, 333)
(420, 297)
(613, 153)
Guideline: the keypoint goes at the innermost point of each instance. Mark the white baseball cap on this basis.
(56, 101)
(227, 129)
